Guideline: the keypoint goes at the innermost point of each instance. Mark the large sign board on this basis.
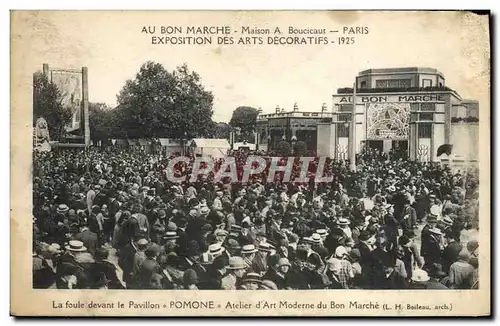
(413, 98)
(69, 83)
(387, 121)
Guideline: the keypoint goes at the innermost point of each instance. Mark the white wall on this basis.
(465, 140)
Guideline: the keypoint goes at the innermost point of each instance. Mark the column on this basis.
(85, 97)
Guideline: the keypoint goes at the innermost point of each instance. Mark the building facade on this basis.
(291, 126)
(410, 109)
(406, 108)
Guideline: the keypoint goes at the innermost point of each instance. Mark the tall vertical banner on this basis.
(73, 88)
(69, 83)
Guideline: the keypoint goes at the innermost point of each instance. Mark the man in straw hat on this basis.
(236, 271)
(248, 253)
(202, 269)
(432, 253)
(419, 279)
(69, 266)
(250, 281)
(431, 222)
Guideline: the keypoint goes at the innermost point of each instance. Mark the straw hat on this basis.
(76, 246)
(322, 232)
(170, 235)
(220, 232)
(419, 276)
(62, 208)
(252, 277)
(236, 262)
(436, 231)
(343, 221)
(216, 249)
(206, 259)
(315, 238)
(265, 246)
(248, 249)
(447, 221)
(268, 285)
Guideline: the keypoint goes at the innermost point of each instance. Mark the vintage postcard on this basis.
(250, 163)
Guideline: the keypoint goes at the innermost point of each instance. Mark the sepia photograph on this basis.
(316, 155)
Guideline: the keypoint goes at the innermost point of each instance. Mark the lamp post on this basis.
(352, 132)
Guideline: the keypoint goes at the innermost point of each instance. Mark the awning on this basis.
(144, 142)
(210, 143)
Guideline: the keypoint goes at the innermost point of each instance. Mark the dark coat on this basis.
(367, 263)
(272, 275)
(435, 285)
(126, 261)
(68, 266)
(432, 253)
(109, 270)
(408, 218)
(450, 255)
(394, 282)
(426, 234)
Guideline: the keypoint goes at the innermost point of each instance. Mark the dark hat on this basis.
(233, 244)
(206, 228)
(102, 280)
(436, 271)
(258, 221)
(193, 202)
(182, 222)
(355, 253)
(190, 277)
(364, 235)
(252, 277)
(152, 251)
(193, 248)
(314, 259)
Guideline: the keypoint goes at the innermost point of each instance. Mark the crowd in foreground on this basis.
(111, 220)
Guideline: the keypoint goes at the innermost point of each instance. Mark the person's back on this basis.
(461, 275)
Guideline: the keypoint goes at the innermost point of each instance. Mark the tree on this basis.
(300, 148)
(283, 148)
(245, 118)
(222, 130)
(158, 103)
(47, 104)
(104, 122)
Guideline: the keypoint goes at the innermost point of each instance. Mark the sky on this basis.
(113, 48)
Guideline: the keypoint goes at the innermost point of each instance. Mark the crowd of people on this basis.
(108, 219)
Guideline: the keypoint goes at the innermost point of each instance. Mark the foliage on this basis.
(299, 148)
(283, 148)
(104, 122)
(159, 104)
(245, 118)
(222, 130)
(47, 104)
